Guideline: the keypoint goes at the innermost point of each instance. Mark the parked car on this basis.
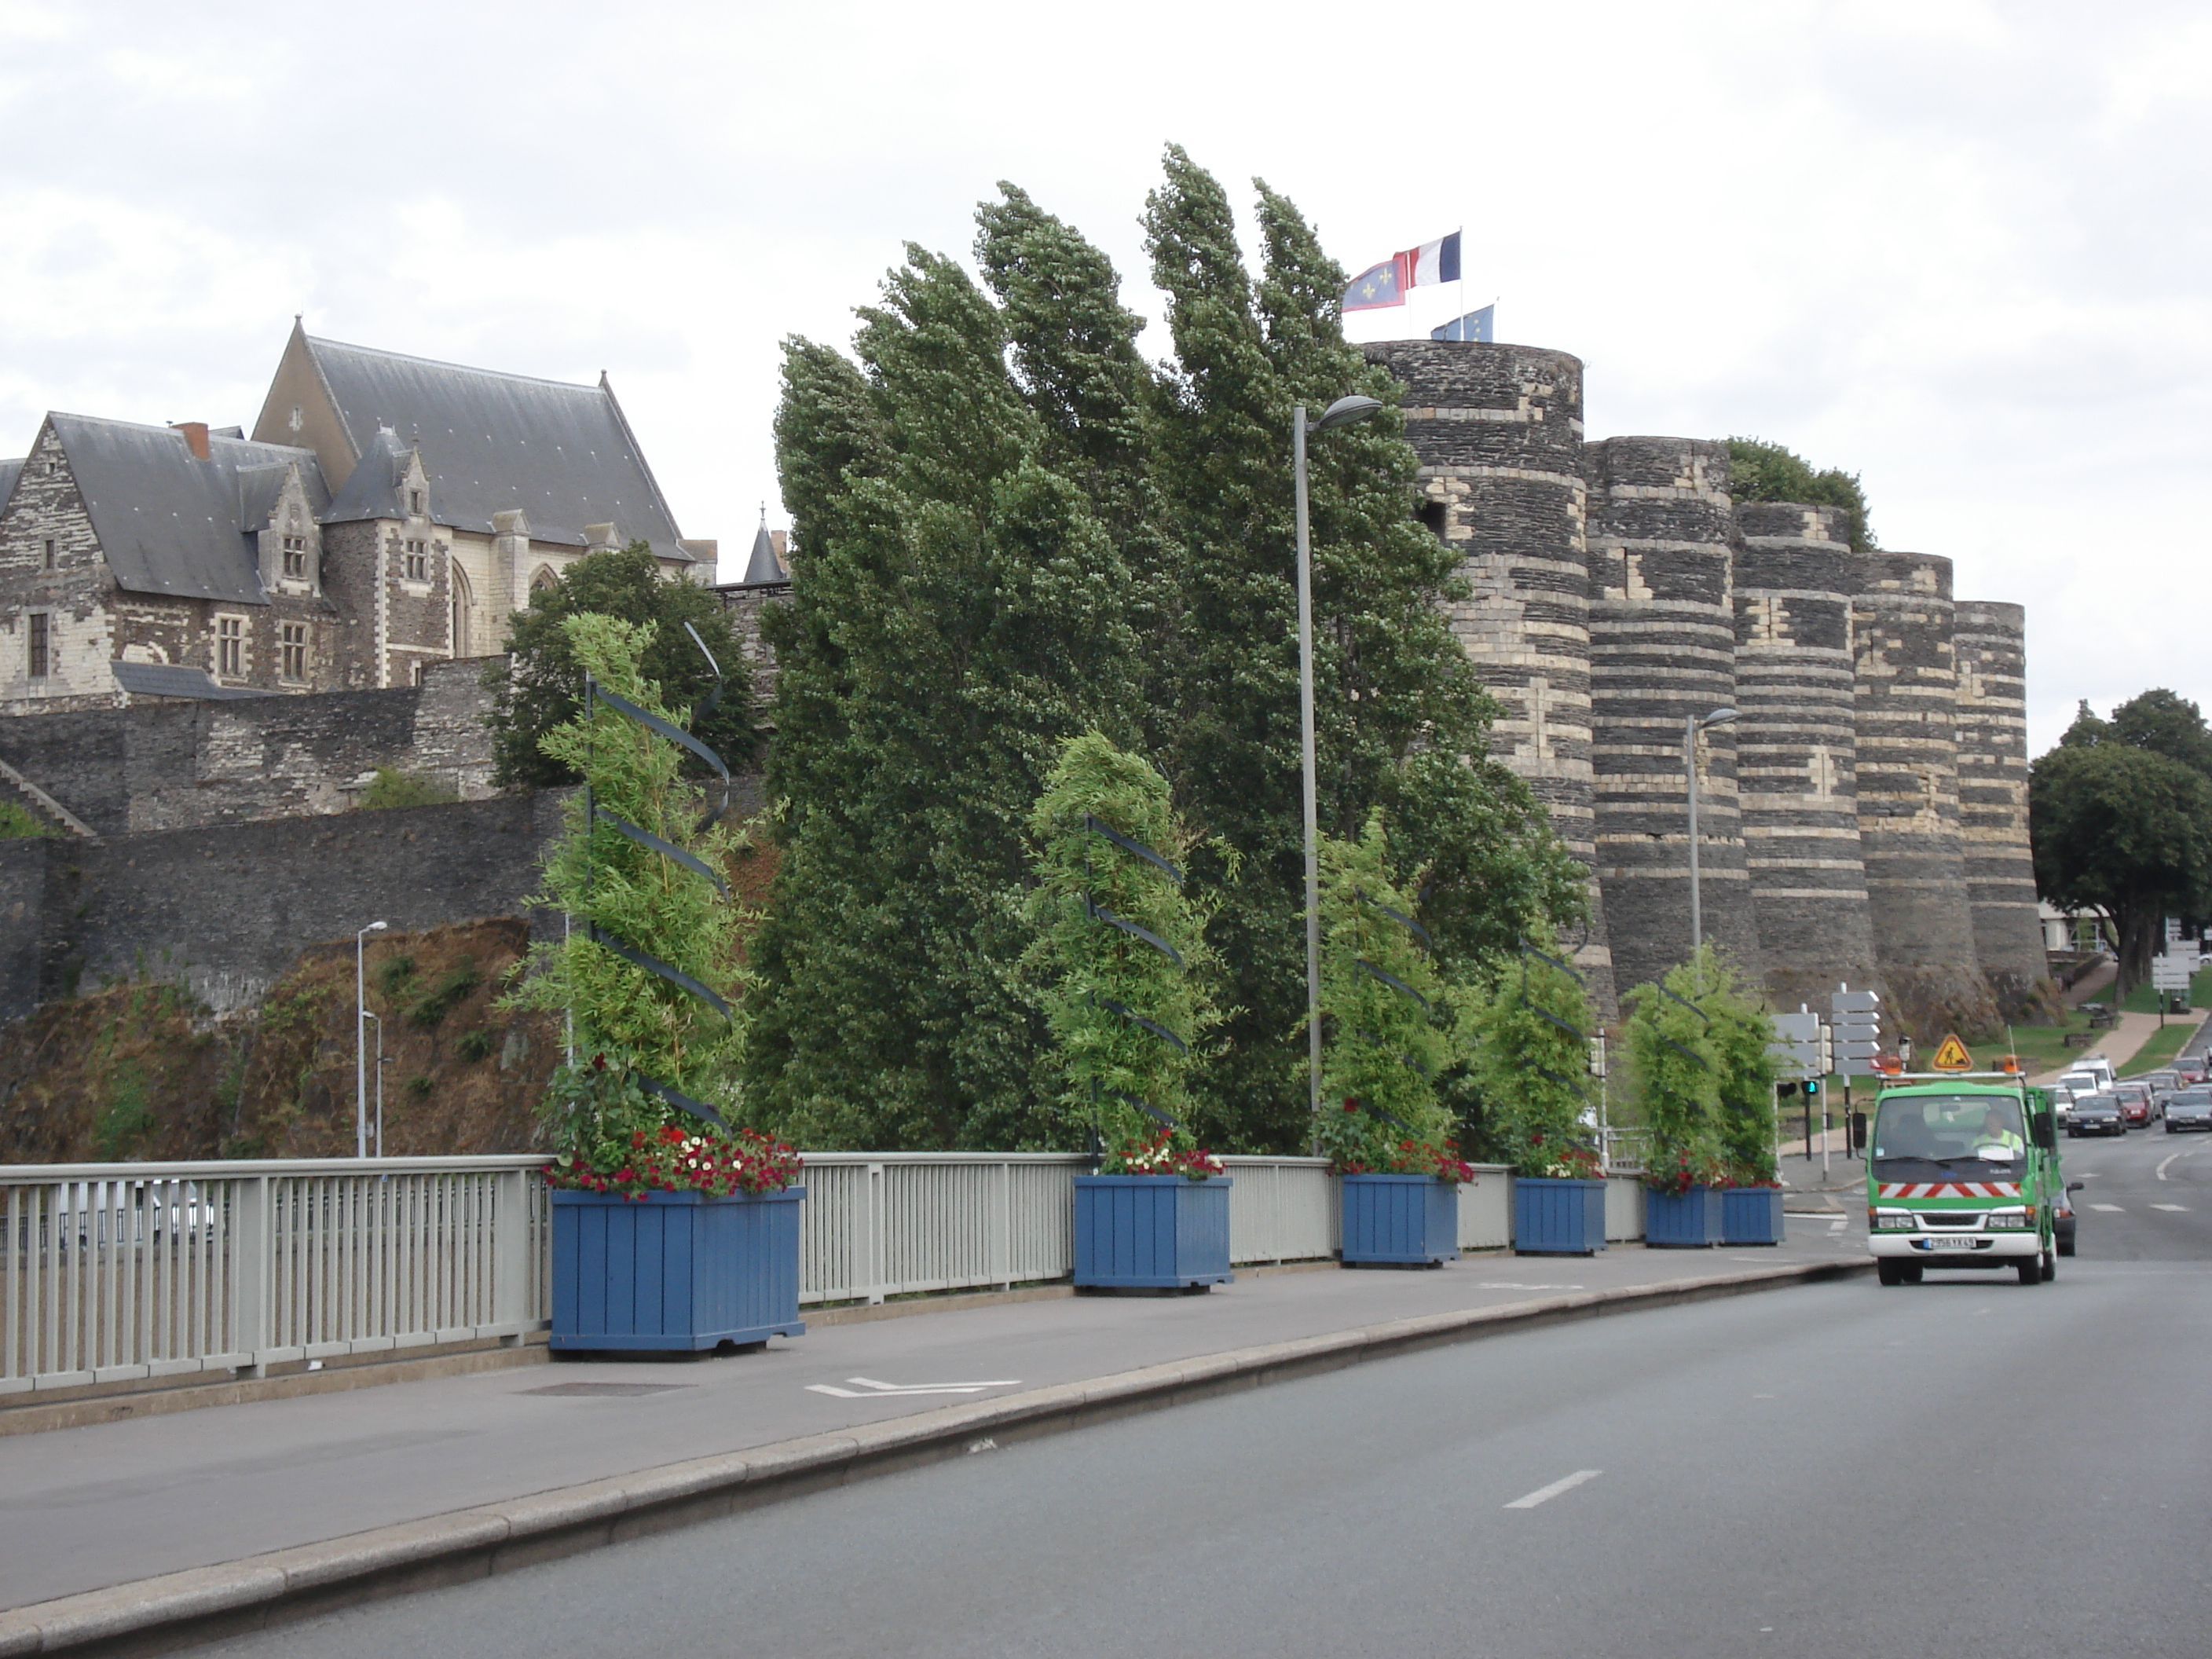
(2062, 1217)
(2192, 1109)
(2134, 1102)
(2097, 1114)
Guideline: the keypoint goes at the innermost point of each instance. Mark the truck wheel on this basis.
(2049, 1267)
(2031, 1271)
(1890, 1273)
(2065, 1249)
(1912, 1272)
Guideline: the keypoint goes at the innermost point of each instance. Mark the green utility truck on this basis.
(1962, 1171)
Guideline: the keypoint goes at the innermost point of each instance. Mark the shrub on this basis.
(392, 787)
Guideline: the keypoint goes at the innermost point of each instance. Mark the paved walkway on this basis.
(85, 1508)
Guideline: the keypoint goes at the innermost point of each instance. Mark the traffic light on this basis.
(1812, 1088)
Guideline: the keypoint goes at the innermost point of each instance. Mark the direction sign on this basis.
(1799, 1044)
(1951, 1056)
(1854, 1002)
(2170, 973)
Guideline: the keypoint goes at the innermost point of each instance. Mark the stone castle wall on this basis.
(1994, 850)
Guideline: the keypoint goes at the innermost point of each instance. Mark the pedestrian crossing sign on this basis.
(1951, 1056)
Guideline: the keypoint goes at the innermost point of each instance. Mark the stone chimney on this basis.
(196, 437)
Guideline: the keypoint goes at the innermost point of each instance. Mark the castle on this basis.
(1864, 820)
(387, 512)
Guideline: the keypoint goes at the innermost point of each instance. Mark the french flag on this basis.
(1385, 284)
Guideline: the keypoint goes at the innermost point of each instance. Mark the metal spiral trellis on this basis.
(595, 694)
(1544, 1014)
(1098, 912)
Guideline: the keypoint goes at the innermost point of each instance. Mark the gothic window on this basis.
(230, 647)
(294, 639)
(295, 556)
(414, 502)
(463, 615)
(418, 562)
(41, 663)
(545, 581)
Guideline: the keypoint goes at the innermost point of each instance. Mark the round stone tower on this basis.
(1903, 626)
(1662, 652)
(1499, 432)
(2000, 870)
(1797, 750)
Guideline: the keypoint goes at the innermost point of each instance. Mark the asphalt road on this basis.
(1966, 1467)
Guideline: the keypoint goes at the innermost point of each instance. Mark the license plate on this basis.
(1950, 1243)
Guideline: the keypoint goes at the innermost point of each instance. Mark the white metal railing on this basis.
(1622, 1150)
(118, 1271)
(115, 1271)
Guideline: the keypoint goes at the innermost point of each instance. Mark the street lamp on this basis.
(1691, 725)
(381, 1062)
(360, 1059)
(1342, 412)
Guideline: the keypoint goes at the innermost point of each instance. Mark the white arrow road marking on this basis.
(2114, 1208)
(2169, 1206)
(2167, 1160)
(872, 1389)
(1543, 1494)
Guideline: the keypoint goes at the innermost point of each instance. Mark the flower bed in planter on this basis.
(674, 1270)
(1751, 1215)
(1400, 1220)
(1687, 1220)
(1558, 1217)
(1150, 1231)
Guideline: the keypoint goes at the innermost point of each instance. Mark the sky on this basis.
(1959, 248)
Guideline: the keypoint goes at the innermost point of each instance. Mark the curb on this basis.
(206, 1604)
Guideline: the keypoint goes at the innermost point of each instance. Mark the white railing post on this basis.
(510, 1255)
(252, 1272)
(872, 1258)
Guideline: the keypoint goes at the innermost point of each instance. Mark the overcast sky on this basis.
(1960, 248)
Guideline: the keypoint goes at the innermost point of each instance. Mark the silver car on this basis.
(2192, 1109)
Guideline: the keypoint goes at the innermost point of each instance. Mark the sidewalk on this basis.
(116, 1503)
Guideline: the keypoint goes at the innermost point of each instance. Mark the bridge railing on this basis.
(118, 1273)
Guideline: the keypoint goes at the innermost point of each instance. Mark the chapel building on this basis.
(386, 513)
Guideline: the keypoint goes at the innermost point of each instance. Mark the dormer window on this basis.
(418, 562)
(414, 502)
(295, 558)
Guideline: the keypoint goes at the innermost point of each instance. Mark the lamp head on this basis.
(1720, 717)
(1344, 410)
(376, 926)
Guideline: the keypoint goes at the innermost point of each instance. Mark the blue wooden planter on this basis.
(1682, 1221)
(1751, 1215)
(1150, 1232)
(1404, 1220)
(674, 1270)
(1557, 1218)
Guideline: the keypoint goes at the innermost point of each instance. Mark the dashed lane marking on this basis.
(1545, 1494)
(866, 1388)
(2169, 1206)
(2113, 1209)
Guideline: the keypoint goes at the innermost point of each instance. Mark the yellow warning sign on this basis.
(1952, 1055)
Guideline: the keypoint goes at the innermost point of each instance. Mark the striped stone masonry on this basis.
(1998, 862)
(1499, 432)
(1907, 705)
(1797, 750)
(1662, 652)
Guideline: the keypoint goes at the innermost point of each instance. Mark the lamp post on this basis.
(1342, 412)
(360, 1035)
(1691, 725)
(380, 1064)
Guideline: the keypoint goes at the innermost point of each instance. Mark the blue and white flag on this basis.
(1475, 325)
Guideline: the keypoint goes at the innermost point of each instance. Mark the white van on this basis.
(2087, 1076)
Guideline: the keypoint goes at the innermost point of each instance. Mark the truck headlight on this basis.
(2014, 1218)
(1893, 1220)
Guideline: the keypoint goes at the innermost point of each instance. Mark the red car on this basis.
(2135, 1103)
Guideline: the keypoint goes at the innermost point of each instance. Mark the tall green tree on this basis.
(1401, 722)
(541, 685)
(956, 621)
(2125, 830)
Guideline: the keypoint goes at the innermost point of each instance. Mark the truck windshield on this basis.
(1962, 1137)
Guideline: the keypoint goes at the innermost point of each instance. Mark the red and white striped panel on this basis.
(1950, 1189)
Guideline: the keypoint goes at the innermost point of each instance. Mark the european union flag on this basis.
(1375, 287)
(1475, 325)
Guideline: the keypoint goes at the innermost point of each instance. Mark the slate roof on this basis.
(162, 679)
(10, 471)
(169, 523)
(764, 567)
(492, 442)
